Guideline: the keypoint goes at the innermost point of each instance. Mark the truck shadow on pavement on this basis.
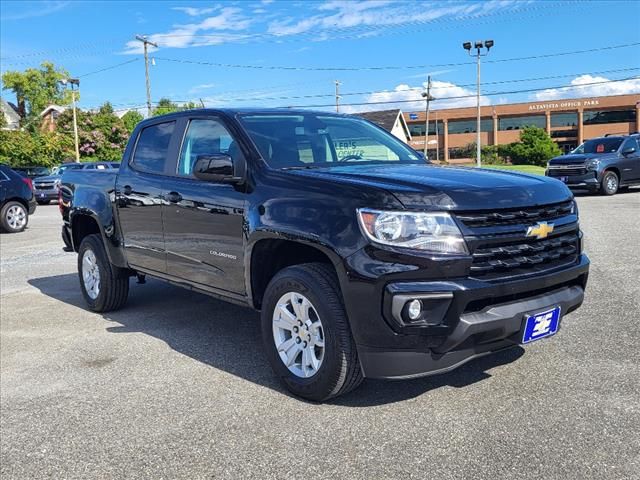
(226, 337)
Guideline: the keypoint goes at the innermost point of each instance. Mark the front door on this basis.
(139, 196)
(203, 221)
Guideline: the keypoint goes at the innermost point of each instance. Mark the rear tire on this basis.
(331, 368)
(14, 217)
(610, 183)
(105, 287)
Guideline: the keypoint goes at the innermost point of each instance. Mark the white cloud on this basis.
(202, 87)
(579, 87)
(40, 10)
(335, 14)
(212, 30)
(404, 94)
(194, 11)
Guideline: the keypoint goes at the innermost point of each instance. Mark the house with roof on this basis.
(10, 114)
(50, 116)
(391, 120)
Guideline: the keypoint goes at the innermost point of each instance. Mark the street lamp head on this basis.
(478, 45)
(466, 45)
(74, 81)
(488, 44)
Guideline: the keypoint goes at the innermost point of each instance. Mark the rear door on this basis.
(139, 195)
(630, 164)
(203, 221)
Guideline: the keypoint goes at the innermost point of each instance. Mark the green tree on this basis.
(23, 148)
(165, 106)
(131, 119)
(534, 148)
(101, 135)
(36, 88)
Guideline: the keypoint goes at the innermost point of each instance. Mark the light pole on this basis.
(478, 47)
(72, 82)
(428, 98)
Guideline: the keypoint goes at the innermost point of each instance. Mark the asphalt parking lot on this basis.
(176, 385)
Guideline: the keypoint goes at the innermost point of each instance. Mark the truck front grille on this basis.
(516, 216)
(522, 257)
(44, 186)
(567, 172)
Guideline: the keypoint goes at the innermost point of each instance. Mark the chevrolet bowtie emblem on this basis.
(540, 230)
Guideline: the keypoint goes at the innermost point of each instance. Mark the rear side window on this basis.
(153, 147)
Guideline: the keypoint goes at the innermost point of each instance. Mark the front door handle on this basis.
(174, 197)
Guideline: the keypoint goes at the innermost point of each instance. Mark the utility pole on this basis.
(478, 47)
(72, 82)
(437, 140)
(146, 42)
(427, 96)
(337, 96)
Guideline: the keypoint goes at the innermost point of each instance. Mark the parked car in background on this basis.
(16, 200)
(45, 188)
(364, 260)
(605, 164)
(32, 172)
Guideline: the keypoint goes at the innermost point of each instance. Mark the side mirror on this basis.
(216, 167)
(628, 151)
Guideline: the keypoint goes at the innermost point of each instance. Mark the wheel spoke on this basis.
(286, 319)
(301, 307)
(284, 346)
(292, 354)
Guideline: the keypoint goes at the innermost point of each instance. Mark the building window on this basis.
(518, 123)
(564, 119)
(608, 116)
(462, 152)
(563, 133)
(417, 129)
(469, 126)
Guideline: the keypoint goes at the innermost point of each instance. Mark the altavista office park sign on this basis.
(563, 105)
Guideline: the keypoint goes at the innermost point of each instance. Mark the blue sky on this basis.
(87, 36)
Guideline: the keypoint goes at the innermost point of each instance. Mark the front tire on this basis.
(14, 217)
(610, 183)
(306, 333)
(104, 286)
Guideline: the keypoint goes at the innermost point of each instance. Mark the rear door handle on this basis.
(174, 197)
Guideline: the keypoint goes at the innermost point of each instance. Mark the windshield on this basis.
(316, 140)
(600, 145)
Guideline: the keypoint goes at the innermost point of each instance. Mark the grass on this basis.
(519, 168)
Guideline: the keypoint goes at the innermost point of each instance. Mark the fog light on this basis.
(415, 309)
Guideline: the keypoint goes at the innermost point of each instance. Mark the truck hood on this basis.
(578, 158)
(433, 187)
(48, 178)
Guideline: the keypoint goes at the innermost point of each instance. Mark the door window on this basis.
(205, 137)
(630, 143)
(153, 147)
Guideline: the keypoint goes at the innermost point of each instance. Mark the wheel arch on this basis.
(270, 254)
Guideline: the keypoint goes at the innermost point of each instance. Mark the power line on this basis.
(459, 97)
(391, 67)
(109, 68)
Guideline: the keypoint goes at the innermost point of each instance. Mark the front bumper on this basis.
(589, 180)
(46, 194)
(480, 317)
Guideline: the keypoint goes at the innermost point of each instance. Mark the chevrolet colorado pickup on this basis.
(605, 164)
(364, 260)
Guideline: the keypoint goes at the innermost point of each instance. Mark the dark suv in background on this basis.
(45, 189)
(16, 200)
(606, 164)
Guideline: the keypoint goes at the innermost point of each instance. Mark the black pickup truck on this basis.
(364, 260)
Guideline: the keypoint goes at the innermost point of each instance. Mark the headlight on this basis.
(433, 232)
(592, 164)
(574, 208)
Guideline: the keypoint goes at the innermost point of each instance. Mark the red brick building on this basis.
(568, 122)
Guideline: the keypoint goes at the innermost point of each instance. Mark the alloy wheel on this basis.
(298, 334)
(16, 217)
(91, 274)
